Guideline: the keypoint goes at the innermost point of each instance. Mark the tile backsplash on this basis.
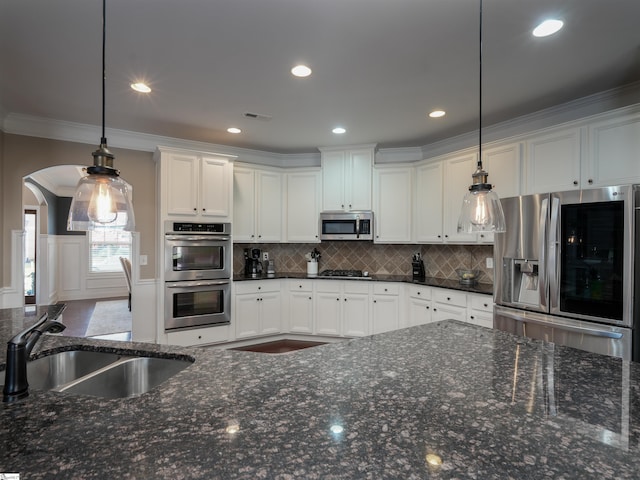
(439, 260)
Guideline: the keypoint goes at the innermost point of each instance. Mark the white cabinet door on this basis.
(385, 313)
(393, 194)
(553, 161)
(614, 152)
(303, 206)
(247, 315)
(358, 194)
(244, 201)
(328, 313)
(355, 315)
(429, 207)
(215, 191)
(457, 178)
(334, 167)
(269, 207)
(419, 311)
(503, 163)
(300, 312)
(181, 174)
(270, 313)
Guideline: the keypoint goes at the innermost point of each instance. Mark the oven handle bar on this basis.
(197, 238)
(196, 284)
(587, 331)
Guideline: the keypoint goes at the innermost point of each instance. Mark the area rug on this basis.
(111, 316)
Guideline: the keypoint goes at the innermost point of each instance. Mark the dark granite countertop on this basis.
(483, 288)
(489, 404)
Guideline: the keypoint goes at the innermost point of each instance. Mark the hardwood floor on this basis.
(279, 346)
(77, 316)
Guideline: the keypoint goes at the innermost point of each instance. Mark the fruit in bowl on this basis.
(467, 275)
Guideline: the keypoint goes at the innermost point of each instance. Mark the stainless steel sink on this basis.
(52, 371)
(127, 377)
(101, 374)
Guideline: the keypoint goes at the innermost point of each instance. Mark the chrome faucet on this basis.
(18, 351)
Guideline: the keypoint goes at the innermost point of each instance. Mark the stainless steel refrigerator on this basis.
(565, 269)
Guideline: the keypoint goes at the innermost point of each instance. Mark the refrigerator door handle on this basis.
(587, 331)
(542, 242)
(553, 247)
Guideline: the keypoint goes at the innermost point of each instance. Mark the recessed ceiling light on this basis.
(141, 87)
(548, 27)
(437, 114)
(234, 130)
(301, 71)
(339, 130)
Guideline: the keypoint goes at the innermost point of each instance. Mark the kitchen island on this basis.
(484, 403)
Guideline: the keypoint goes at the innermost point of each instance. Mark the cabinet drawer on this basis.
(301, 285)
(356, 286)
(328, 286)
(256, 286)
(386, 288)
(199, 336)
(420, 292)
(450, 297)
(481, 302)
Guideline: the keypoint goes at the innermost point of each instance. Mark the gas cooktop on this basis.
(345, 274)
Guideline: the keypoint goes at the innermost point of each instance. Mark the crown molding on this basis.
(598, 103)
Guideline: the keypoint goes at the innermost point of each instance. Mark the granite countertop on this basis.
(483, 288)
(489, 404)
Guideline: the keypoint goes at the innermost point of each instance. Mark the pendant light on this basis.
(481, 207)
(102, 197)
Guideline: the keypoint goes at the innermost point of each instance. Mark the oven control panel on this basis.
(190, 227)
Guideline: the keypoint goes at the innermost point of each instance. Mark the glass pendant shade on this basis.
(481, 213)
(101, 200)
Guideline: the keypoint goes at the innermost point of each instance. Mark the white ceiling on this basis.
(379, 66)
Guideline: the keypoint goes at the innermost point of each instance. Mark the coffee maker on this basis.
(252, 263)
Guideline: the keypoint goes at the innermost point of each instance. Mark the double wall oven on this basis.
(197, 274)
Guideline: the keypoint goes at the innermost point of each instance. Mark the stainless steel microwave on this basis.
(356, 225)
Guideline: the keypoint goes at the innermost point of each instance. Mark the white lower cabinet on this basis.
(420, 305)
(200, 336)
(385, 315)
(301, 306)
(342, 308)
(480, 310)
(257, 309)
(449, 304)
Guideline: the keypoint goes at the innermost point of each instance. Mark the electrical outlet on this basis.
(265, 256)
(143, 259)
(489, 262)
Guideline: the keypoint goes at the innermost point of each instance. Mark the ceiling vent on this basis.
(258, 116)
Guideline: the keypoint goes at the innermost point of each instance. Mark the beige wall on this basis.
(2, 203)
(22, 155)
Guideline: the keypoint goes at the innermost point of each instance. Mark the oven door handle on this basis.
(197, 284)
(197, 238)
(596, 332)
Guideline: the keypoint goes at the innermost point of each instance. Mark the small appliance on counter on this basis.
(418, 267)
(252, 263)
(271, 268)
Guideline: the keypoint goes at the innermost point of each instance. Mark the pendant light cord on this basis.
(480, 92)
(103, 139)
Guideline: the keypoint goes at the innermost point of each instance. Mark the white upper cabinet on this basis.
(503, 163)
(613, 156)
(346, 178)
(393, 204)
(553, 161)
(257, 197)
(457, 178)
(428, 204)
(195, 186)
(303, 206)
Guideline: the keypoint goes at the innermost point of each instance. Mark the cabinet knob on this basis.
(199, 337)
(427, 307)
(259, 236)
(195, 209)
(204, 209)
(448, 299)
(471, 317)
(309, 298)
(435, 309)
(590, 181)
(419, 293)
(299, 286)
(342, 206)
(439, 236)
(575, 182)
(446, 236)
(349, 205)
(345, 299)
(385, 290)
(259, 288)
(337, 299)
(482, 235)
(252, 236)
(485, 305)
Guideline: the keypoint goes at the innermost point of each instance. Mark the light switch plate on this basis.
(489, 262)
(143, 259)
(265, 256)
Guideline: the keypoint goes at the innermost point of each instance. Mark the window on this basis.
(107, 244)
